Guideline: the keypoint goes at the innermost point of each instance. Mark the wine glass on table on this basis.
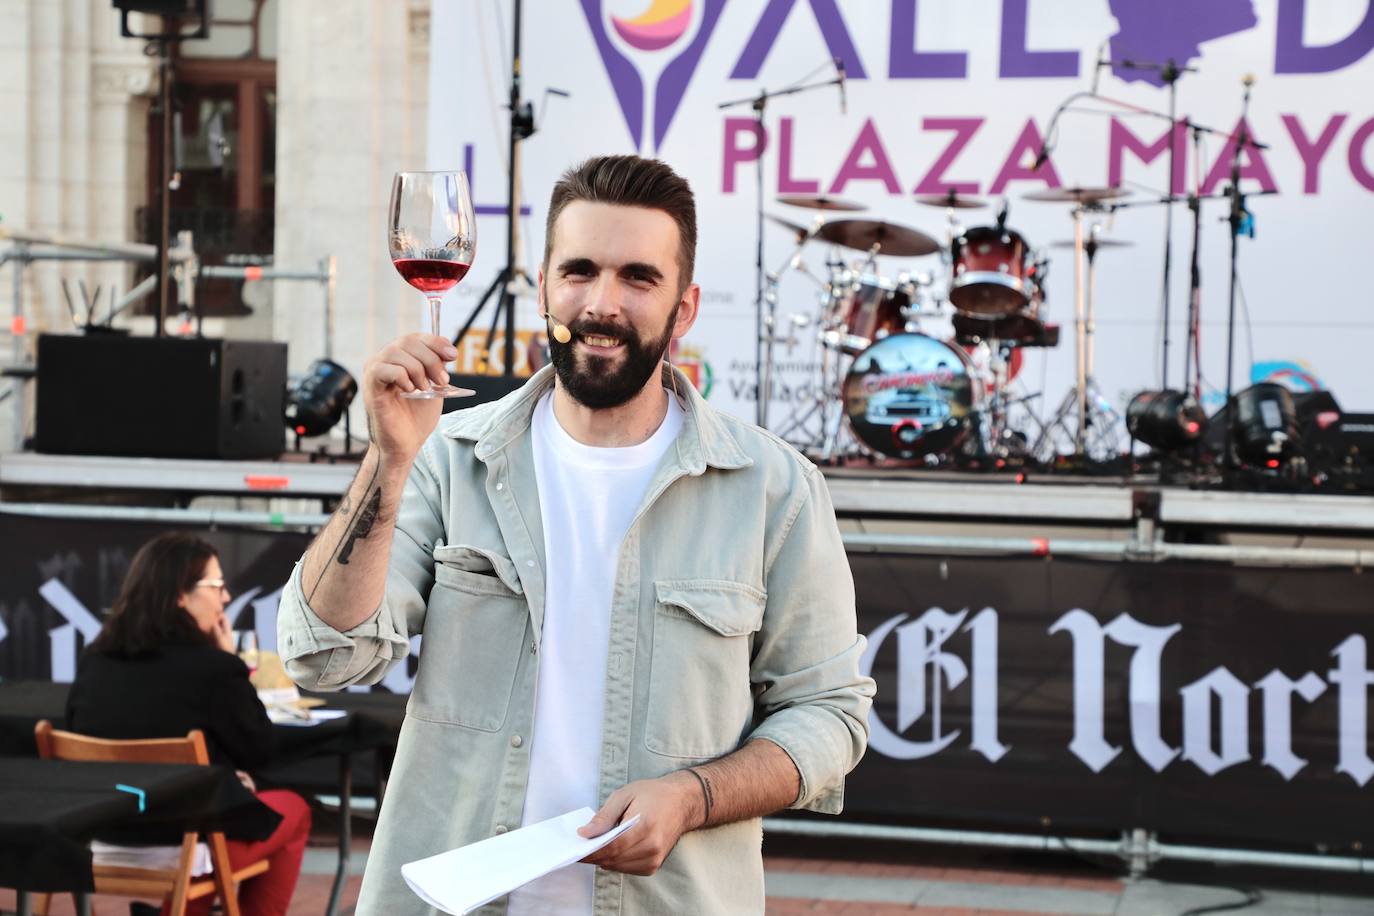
(248, 649)
(432, 238)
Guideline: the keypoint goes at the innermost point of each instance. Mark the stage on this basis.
(1066, 657)
(1038, 502)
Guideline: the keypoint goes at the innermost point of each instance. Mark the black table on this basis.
(51, 809)
(372, 725)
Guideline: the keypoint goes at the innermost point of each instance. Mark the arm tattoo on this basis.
(362, 527)
(707, 796)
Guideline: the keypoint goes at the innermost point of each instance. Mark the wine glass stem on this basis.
(435, 302)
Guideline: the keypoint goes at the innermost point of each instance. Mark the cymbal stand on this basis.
(999, 359)
(763, 344)
(819, 404)
(1084, 403)
(953, 229)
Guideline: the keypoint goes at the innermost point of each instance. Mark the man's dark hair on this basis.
(630, 181)
(145, 615)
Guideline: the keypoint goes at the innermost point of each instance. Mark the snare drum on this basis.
(866, 309)
(992, 270)
(1019, 329)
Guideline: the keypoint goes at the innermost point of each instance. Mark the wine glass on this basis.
(248, 649)
(432, 238)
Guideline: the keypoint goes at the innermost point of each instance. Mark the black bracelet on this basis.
(708, 800)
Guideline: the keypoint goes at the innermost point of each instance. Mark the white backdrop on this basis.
(920, 76)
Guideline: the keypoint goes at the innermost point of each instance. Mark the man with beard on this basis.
(628, 601)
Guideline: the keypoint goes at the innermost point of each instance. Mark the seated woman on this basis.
(164, 664)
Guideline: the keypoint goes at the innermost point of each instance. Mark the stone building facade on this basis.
(348, 81)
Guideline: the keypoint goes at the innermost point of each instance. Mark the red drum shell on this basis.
(872, 308)
(991, 271)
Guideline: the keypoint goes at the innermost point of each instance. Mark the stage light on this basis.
(1264, 424)
(320, 399)
(1165, 420)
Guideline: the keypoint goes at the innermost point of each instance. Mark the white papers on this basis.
(290, 715)
(461, 880)
(162, 857)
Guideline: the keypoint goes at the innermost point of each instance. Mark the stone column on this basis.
(72, 104)
(350, 113)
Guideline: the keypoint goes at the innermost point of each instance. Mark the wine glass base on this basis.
(439, 391)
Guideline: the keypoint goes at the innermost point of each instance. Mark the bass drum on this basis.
(910, 395)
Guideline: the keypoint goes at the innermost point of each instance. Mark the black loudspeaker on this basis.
(160, 397)
(162, 7)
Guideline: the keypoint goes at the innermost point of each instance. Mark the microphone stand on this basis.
(1191, 345)
(1170, 72)
(1240, 220)
(1238, 215)
(764, 325)
(503, 285)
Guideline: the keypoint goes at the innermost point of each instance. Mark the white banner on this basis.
(955, 95)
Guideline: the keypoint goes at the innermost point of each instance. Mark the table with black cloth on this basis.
(372, 726)
(51, 809)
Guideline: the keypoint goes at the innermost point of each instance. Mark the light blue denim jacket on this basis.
(732, 618)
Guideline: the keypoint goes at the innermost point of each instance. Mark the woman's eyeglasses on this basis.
(217, 584)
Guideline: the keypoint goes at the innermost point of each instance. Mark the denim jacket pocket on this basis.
(473, 639)
(700, 697)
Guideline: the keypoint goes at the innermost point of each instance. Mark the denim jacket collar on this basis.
(705, 439)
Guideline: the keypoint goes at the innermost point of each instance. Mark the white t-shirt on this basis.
(588, 497)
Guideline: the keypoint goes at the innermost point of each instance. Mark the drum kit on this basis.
(894, 380)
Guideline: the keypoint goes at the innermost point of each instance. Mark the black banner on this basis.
(1204, 701)
(62, 575)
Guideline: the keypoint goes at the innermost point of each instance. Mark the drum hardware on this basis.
(1020, 329)
(1074, 194)
(820, 203)
(876, 237)
(801, 232)
(1084, 403)
(769, 335)
(952, 200)
(763, 333)
(1099, 243)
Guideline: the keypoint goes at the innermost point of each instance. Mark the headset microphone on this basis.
(559, 330)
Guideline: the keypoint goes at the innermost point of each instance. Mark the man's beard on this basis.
(590, 380)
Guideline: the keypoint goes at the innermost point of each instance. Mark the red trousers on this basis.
(268, 894)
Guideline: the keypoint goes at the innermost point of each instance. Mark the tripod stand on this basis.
(504, 285)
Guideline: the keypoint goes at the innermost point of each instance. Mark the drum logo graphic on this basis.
(909, 395)
(650, 57)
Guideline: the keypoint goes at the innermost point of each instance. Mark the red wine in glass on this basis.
(431, 275)
(432, 238)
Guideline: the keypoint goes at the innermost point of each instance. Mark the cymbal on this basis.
(1100, 243)
(951, 201)
(819, 203)
(1076, 195)
(795, 228)
(891, 239)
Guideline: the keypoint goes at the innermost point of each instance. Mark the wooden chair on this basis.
(176, 885)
